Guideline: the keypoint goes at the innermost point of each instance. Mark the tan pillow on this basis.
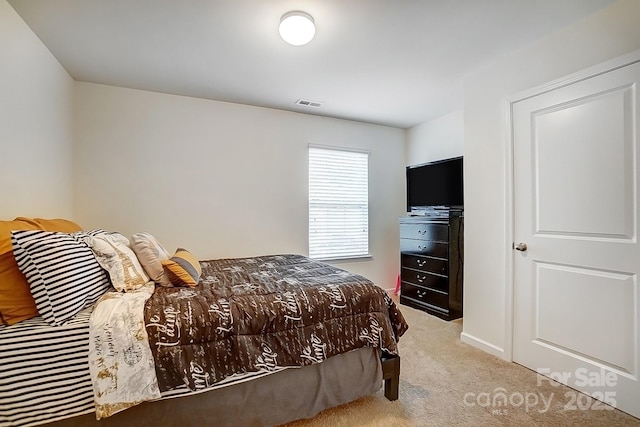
(114, 255)
(151, 253)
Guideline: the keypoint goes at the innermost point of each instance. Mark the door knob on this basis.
(520, 247)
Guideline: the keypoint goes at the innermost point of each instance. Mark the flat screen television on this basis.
(435, 184)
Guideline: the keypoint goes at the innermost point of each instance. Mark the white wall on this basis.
(221, 179)
(36, 96)
(437, 139)
(605, 35)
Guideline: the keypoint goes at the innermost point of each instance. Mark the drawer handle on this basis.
(420, 279)
(421, 293)
(422, 248)
(421, 262)
(423, 232)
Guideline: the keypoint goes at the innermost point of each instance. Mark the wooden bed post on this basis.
(391, 375)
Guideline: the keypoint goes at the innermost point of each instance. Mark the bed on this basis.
(257, 341)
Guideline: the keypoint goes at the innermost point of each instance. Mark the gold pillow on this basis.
(183, 268)
(58, 224)
(16, 302)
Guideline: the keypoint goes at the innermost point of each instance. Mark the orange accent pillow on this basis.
(58, 224)
(183, 268)
(16, 302)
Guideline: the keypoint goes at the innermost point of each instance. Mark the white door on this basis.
(576, 296)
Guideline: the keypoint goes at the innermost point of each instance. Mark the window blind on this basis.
(338, 203)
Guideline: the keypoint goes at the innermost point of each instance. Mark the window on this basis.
(338, 203)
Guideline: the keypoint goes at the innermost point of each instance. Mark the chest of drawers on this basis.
(431, 260)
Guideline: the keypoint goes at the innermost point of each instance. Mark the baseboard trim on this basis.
(483, 345)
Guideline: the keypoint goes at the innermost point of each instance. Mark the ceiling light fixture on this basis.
(297, 28)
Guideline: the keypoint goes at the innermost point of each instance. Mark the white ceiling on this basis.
(392, 62)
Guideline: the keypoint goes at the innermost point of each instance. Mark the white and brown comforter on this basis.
(263, 313)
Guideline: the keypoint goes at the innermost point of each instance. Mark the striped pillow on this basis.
(62, 272)
(183, 268)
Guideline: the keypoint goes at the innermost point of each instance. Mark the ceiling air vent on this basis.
(307, 103)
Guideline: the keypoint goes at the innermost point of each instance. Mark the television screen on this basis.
(435, 184)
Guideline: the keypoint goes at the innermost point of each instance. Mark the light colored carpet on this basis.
(438, 371)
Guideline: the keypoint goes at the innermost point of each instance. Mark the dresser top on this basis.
(423, 219)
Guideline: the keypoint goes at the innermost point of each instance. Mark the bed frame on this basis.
(270, 398)
(391, 375)
(275, 399)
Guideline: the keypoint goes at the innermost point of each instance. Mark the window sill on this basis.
(358, 258)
